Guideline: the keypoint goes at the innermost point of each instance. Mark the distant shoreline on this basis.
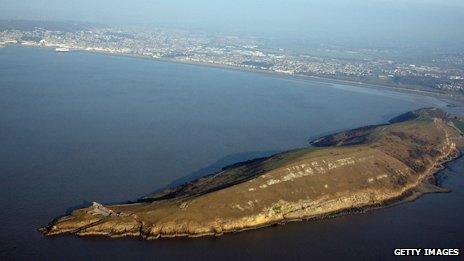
(452, 100)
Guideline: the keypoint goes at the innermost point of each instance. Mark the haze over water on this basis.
(80, 127)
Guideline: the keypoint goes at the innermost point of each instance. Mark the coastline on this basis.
(450, 99)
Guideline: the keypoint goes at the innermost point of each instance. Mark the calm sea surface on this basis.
(80, 127)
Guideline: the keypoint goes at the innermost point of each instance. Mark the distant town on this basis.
(442, 73)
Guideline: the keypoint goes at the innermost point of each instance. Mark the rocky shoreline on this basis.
(408, 196)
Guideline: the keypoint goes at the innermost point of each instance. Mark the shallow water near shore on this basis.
(80, 127)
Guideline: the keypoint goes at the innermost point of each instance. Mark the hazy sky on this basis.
(437, 20)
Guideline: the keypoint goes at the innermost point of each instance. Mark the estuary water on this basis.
(81, 127)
